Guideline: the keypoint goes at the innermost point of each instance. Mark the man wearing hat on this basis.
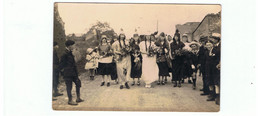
(70, 72)
(215, 53)
(201, 63)
(56, 70)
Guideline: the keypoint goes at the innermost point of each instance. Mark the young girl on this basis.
(105, 60)
(91, 64)
(161, 59)
(136, 60)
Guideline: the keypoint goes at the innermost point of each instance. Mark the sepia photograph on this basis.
(136, 57)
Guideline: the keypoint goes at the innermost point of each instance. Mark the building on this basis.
(211, 23)
(187, 29)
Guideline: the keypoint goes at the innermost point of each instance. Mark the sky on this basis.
(79, 17)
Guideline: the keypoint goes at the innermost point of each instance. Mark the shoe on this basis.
(79, 100)
(175, 84)
(72, 102)
(117, 82)
(108, 84)
(158, 83)
(127, 86)
(179, 85)
(202, 89)
(217, 100)
(211, 96)
(138, 83)
(203, 94)
(189, 81)
(193, 87)
(133, 84)
(211, 99)
(57, 94)
(102, 84)
(121, 86)
(163, 83)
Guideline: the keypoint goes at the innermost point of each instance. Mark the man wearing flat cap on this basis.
(56, 71)
(70, 72)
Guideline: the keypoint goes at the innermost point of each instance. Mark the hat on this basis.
(135, 35)
(121, 31)
(216, 36)
(55, 43)
(103, 36)
(69, 43)
(203, 38)
(184, 35)
(89, 50)
(162, 34)
(194, 43)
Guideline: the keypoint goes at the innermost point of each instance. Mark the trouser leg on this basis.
(69, 88)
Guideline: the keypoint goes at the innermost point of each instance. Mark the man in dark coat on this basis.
(213, 68)
(201, 64)
(70, 72)
(216, 76)
(55, 71)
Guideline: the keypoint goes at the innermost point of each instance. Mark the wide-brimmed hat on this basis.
(184, 35)
(89, 50)
(194, 43)
(103, 36)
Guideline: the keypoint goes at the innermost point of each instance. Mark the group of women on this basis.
(153, 58)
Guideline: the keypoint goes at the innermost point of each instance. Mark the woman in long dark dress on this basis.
(136, 60)
(177, 60)
(161, 58)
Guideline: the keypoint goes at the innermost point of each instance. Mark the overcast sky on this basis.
(79, 17)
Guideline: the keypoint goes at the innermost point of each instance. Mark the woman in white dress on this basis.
(149, 67)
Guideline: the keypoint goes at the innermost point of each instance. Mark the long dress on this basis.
(177, 62)
(136, 62)
(149, 67)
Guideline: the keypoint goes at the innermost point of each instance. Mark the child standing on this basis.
(91, 64)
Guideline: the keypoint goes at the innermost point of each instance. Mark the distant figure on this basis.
(70, 72)
(56, 71)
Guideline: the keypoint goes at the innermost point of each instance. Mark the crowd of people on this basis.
(151, 58)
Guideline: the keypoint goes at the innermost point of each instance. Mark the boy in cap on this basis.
(56, 71)
(70, 72)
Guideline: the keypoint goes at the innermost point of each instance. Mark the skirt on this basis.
(163, 68)
(104, 68)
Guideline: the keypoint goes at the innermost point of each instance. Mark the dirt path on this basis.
(138, 98)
